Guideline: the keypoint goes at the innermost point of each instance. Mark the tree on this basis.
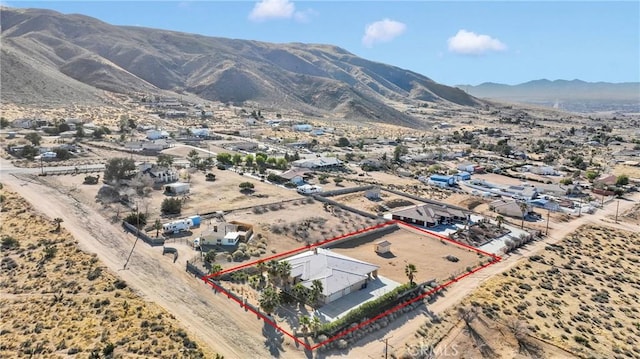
(237, 159)
(33, 137)
(315, 324)
(284, 271)
(224, 158)
(248, 160)
(304, 323)
(316, 292)
(157, 225)
(210, 257)
(338, 180)
(269, 300)
(261, 159)
(343, 142)
(281, 163)
(79, 131)
(118, 169)
(410, 270)
(523, 209)
(500, 220)
(4, 122)
(591, 175)
(262, 267)
(272, 271)
(57, 221)
(164, 160)
(29, 152)
(194, 158)
(246, 186)
(62, 154)
(622, 180)
(399, 151)
(171, 206)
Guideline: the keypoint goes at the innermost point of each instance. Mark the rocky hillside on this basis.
(46, 54)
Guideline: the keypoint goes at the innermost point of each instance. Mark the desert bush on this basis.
(451, 258)
(238, 255)
(171, 206)
(9, 242)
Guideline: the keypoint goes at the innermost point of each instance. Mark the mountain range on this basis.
(47, 56)
(569, 93)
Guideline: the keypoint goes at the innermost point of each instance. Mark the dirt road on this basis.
(373, 346)
(214, 319)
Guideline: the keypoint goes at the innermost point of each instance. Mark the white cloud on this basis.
(304, 16)
(272, 9)
(469, 43)
(382, 31)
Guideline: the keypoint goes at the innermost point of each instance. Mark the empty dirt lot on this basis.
(408, 246)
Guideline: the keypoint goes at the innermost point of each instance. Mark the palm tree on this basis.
(269, 300)
(304, 323)
(410, 270)
(57, 221)
(284, 271)
(262, 267)
(272, 271)
(316, 292)
(300, 292)
(157, 225)
(523, 208)
(315, 325)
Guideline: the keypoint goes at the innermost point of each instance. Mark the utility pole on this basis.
(547, 231)
(386, 346)
(136, 241)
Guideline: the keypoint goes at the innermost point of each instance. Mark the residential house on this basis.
(605, 180)
(318, 163)
(338, 274)
(429, 215)
(157, 134)
(297, 176)
(509, 208)
(226, 233)
(302, 128)
(159, 174)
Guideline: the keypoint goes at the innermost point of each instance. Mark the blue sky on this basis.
(466, 42)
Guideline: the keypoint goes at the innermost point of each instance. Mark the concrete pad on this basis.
(338, 308)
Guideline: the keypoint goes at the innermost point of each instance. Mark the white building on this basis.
(339, 274)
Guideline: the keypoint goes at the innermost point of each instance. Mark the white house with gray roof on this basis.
(339, 274)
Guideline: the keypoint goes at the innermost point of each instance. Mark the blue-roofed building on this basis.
(442, 180)
(463, 176)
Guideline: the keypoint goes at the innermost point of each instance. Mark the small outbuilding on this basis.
(178, 188)
(382, 247)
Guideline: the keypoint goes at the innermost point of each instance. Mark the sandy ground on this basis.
(411, 247)
(563, 294)
(212, 318)
(56, 299)
(373, 346)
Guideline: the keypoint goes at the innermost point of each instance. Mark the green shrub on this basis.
(171, 206)
(367, 310)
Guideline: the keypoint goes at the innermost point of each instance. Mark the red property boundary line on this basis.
(309, 347)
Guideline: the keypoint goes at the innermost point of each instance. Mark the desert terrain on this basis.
(58, 301)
